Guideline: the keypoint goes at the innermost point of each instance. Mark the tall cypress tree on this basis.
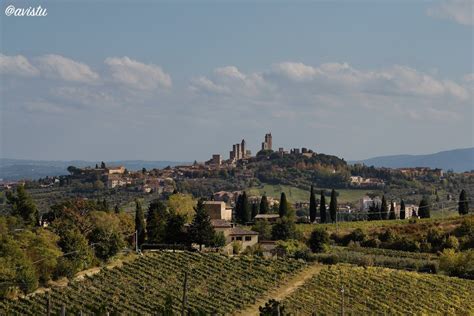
(312, 206)
(264, 207)
(463, 205)
(384, 208)
(402, 210)
(238, 209)
(283, 209)
(333, 206)
(392, 211)
(424, 208)
(201, 231)
(246, 213)
(322, 208)
(139, 223)
(254, 210)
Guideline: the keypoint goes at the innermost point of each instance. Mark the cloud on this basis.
(137, 75)
(460, 11)
(59, 67)
(17, 65)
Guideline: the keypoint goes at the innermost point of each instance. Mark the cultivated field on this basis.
(369, 291)
(216, 284)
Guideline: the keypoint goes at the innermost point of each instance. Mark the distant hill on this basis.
(458, 160)
(15, 169)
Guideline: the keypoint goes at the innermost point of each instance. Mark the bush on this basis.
(292, 248)
(319, 240)
(388, 236)
(371, 243)
(236, 247)
(460, 264)
(451, 242)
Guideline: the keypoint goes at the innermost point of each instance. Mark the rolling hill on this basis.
(458, 160)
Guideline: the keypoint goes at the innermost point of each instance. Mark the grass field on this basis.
(294, 194)
(216, 285)
(380, 291)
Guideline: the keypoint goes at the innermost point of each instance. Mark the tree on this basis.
(139, 223)
(264, 207)
(319, 240)
(254, 210)
(174, 230)
(312, 206)
(392, 211)
(80, 255)
(201, 231)
(283, 209)
(264, 229)
(384, 208)
(23, 205)
(242, 209)
(116, 209)
(424, 208)
(333, 206)
(107, 242)
(402, 210)
(156, 222)
(322, 208)
(463, 205)
(284, 229)
(102, 165)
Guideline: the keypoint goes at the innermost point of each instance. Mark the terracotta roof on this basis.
(267, 216)
(220, 223)
(239, 231)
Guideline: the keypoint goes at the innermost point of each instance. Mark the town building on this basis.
(267, 144)
(218, 210)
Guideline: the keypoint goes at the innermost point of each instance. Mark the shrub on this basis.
(460, 264)
(292, 248)
(319, 240)
(388, 236)
(451, 242)
(236, 247)
(371, 243)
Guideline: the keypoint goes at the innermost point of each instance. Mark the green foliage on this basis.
(333, 206)
(292, 248)
(424, 210)
(460, 264)
(219, 240)
(174, 231)
(264, 229)
(402, 210)
(312, 206)
(242, 209)
(264, 207)
(139, 223)
(283, 208)
(284, 229)
(392, 214)
(107, 242)
(463, 204)
(23, 205)
(201, 231)
(319, 240)
(182, 204)
(272, 308)
(322, 208)
(384, 209)
(79, 255)
(254, 210)
(156, 222)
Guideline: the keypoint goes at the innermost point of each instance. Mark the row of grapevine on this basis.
(216, 284)
(369, 291)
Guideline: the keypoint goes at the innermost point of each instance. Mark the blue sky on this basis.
(179, 81)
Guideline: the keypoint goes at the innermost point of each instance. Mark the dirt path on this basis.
(284, 289)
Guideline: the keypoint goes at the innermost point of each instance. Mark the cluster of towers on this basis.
(238, 151)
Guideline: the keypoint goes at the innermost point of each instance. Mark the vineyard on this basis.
(216, 284)
(369, 291)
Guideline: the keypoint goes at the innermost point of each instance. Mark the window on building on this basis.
(238, 238)
(248, 238)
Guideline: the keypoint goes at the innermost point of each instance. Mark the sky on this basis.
(182, 80)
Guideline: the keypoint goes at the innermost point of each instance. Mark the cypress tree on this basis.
(384, 208)
(238, 209)
(116, 209)
(463, 205)
(23, 205)
(139, 223)
(402, 210)
(254, 210)
(424, 208)
(333, 206)
(312, 206)
(246, 210)
(283, 209)
(392, 211)
(201, 231)
(322, 208)
(264, 208)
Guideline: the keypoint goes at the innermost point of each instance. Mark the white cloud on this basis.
(460, 11)
(17, 65)
(59, 67)
(295, 71)
(138, 75)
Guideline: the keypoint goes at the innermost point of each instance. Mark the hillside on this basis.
(459, 160)
(369, 291)
(15, 169)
